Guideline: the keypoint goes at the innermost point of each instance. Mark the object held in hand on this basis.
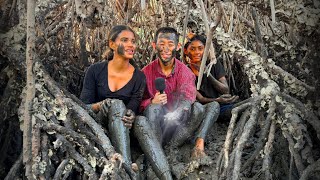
(160, 84)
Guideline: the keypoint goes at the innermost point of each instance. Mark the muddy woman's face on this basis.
(125, 44)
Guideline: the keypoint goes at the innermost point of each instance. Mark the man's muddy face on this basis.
(166, 47)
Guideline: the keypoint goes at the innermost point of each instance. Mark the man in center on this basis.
(179, 92)
(169, 116)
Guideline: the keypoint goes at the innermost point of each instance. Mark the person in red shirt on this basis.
(170, 117)
(179, 92)
(164, 111)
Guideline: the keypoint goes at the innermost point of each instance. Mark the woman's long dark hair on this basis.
(112, 36)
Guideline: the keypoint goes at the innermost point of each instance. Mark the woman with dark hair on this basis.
(116, 88)
(214, 87)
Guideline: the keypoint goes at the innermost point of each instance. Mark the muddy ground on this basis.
(182, 166)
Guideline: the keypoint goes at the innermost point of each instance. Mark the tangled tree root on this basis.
(269, 109)
(68, 138)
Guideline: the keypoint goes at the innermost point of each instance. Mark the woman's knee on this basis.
(117, 106)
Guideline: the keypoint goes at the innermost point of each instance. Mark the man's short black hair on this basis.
(166, 30)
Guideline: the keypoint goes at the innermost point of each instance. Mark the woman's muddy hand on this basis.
(128, 118)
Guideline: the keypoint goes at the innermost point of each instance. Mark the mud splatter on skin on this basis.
(120, 49)
(169, 36)
(165, 62)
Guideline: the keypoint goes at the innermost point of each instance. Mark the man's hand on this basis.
(128, 118)
(227, 98)
(159, 98)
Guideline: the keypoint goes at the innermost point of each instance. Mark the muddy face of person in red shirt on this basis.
(166, 47)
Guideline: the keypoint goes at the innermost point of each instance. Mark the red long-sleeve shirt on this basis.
(179, 84)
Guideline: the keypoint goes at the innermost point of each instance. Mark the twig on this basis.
(185, 29)
(228, 140)
(80, 159)
(60, 169)
(291, 166)
(57, 25)
(244, 20)
(45, 154)
(260, 44)
(273, 13)
(209, 39)
(267, 151)
(36, 144)
(262, 136)
(294, 152)
(27, 124)
(249, 127)
(219, 163)
(72, 134)
(231, 76)
(240, 125)
(231, 19)
(13, 6)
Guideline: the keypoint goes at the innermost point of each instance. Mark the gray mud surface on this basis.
(183, 167)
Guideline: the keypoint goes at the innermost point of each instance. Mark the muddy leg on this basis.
(153, 114)
(118, 132)
(187, 130)
(211, 115)
(151, 147)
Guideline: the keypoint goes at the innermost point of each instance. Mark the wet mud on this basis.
(180, 163)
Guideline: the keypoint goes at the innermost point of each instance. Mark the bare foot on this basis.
(198, 151)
